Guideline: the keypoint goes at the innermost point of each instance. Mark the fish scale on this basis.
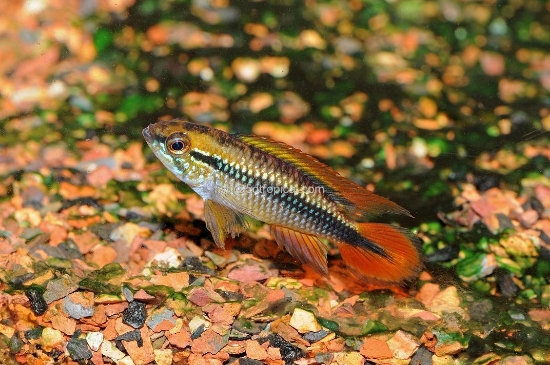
(251, 203)
(298, 196)
(274, 210)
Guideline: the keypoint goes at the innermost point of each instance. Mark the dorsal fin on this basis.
(356, 201)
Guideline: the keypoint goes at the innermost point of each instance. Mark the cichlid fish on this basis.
(301, 199)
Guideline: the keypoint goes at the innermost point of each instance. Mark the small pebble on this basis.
(170, 257)
(60, 288)
(20, 279)
(304, 321)
(289, 352)
(528, 218)
(76, 310)
(134, 335)
(108, 349)
(143, 296)
(403, 345)
(128, 294)
(255, 351)
(163, 357)
(374, 348)
(449, 348)
(447, 253)
(135, 314)
(30, 233)
(506, 285)
(536, 205)
(33, 334)
(504, 222)
(349, 358)
(316, 336)
(194, 264)
(51, 337)
(94, 340)
(38, 304)
(480, 310)
(235, 334)
(422, 357)
(78, 349)
(156, 318)
(197, 325)
(218, 260)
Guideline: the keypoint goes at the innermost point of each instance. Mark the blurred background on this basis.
(431, 90)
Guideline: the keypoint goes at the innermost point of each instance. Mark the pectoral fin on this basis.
(303, 247)
(221, 220)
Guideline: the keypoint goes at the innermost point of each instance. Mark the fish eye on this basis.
(177, 143)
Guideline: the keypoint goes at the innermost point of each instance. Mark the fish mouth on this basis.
(147, 133)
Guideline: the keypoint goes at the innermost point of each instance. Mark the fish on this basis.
(304, 201)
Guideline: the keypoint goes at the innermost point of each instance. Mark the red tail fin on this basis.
(401, 259)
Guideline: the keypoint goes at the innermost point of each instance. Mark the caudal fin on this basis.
(395, 259)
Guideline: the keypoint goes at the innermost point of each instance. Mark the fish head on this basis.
(173, 142)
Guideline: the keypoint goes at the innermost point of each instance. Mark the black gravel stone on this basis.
(78, 348)
(289, 352)
(478, 346)
(544, 252)
(135, 314)
(447, 253)
(198, 332)
(486, 181)
(535, 204)
(38, 304)
(506, 285)
(134, 335)
(70, 250)
(231, 296)
(504, 222)
(33, 334)
(544, 237)
(56, 353)
(194, 264)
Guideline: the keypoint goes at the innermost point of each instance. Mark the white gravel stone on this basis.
(304, 321)
(94, 340)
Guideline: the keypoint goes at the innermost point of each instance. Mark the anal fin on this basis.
(221, 220)
(304, 247)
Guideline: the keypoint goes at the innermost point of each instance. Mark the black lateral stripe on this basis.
(293, 202)
(209, 160)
